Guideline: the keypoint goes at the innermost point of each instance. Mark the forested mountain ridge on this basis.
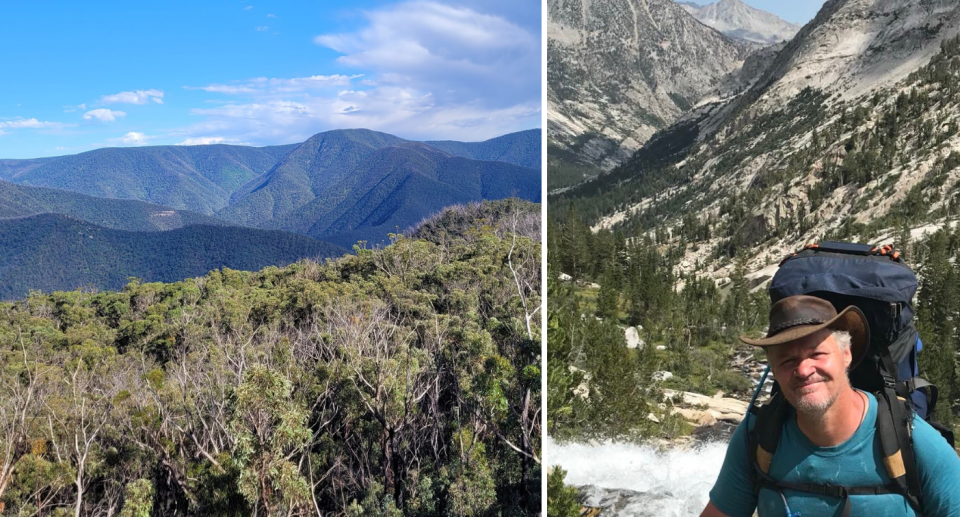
(263, 182)
(521, 148)
(351, 185)
(117, 214)
(312, 167)
(402, 381)
(199, 178)
(54, 252)
(400, 185)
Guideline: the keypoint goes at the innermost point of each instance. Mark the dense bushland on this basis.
(399, 380)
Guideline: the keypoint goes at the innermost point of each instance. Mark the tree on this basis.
(271, 431)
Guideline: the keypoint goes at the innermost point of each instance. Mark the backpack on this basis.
(879, 283)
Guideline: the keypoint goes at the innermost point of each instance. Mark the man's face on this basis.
(812, 371)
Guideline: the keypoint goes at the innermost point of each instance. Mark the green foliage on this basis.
(403, 380)
(561, 499)
(510, 215)
(138, 499)
(938, 308)
(269, 427)
(53, 252)
(597, 387)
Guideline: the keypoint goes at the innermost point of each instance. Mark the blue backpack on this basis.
(876, 280)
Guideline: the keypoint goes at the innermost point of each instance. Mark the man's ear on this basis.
(848, 356)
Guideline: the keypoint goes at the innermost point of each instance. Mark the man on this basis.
(829, 436)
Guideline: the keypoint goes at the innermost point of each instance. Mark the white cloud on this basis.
(263, 28)
(247, 8)
(210, 140)
(103, 115)
(271, 16)
(425, 71)
(262, 86)
(31, 123)
(458, 54)
(401, 111)
(134, 97)
(2, 132)
(134, 137)
(71, 109)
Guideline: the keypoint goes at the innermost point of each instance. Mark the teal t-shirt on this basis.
(856, 462)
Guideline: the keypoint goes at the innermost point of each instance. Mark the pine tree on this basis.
(937, 309)
(609, 296)
(736, 305)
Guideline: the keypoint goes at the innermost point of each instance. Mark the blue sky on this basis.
(79, 76)
(794, 11)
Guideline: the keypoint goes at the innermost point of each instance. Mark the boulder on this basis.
(719, 407)
(662, 376)
(633, 338)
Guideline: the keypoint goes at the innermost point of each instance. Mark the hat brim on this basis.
(850, 319)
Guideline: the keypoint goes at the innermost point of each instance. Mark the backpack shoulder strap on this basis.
(894, 426)
(765, 436)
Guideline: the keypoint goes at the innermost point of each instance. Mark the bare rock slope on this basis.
(619, 70)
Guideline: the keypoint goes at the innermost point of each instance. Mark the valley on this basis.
(171, 212)
(845, 131)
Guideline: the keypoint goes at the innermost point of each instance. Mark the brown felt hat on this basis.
(797, 317)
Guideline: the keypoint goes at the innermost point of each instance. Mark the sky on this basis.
(794, 11)
(79, 76)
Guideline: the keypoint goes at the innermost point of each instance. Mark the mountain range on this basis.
(847, 131)
(620, 70)
(739, 20)
(337, 188)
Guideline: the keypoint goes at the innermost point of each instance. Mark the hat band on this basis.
(795, 323)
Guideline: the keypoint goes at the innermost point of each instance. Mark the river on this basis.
(673, 483)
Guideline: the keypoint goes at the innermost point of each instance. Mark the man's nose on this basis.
(805, 368)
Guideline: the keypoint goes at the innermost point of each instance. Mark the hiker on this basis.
(828, 458)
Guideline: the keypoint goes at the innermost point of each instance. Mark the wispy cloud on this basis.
(400, 111)
(134, 97)
(271, 16)
(103, 115)
(263, 28)
(458, 54)
(210, 140)
(247, 8)
(31, 123)
(424, 70)
(263, 85)
(133, 138)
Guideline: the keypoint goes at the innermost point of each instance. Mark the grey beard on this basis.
(815, 408)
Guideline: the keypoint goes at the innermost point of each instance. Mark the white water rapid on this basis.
(674, 483)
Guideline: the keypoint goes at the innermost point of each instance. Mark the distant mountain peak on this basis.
(619, 70)
(742, 21)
